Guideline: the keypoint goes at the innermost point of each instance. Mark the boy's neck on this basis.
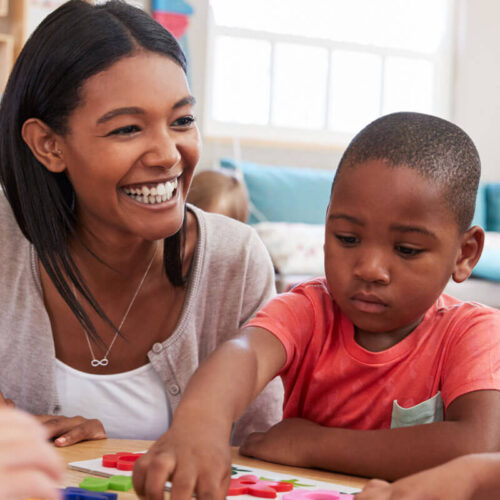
(380, 341)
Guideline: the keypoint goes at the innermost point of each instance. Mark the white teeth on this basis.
(160, 193)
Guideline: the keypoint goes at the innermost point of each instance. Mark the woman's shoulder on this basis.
(223, 234)
(10, 233)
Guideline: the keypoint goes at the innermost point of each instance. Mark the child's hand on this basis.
(192, 457)
(450, 481)
(70, 430)
(29, 466)
(285, 443)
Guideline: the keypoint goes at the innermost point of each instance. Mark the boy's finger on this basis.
(184, 484)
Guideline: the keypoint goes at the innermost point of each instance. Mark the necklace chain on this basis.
(105, 361)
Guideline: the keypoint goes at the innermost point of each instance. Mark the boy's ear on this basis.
(470, 251)
(44, 144)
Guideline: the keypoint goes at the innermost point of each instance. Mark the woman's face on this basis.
(131, 149)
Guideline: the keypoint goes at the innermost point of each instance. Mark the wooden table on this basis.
(95, 449)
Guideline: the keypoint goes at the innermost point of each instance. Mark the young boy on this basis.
(374, 351)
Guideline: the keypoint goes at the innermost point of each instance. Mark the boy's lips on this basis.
(368, 302)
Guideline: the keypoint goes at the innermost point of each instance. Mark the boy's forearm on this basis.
(387, 453)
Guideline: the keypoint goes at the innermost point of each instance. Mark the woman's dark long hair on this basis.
(72, 44)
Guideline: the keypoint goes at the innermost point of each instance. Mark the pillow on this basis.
(285, 194)
(488, 266)
(493, 206)
(294, 248)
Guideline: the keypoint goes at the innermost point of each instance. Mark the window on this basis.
(319, 70)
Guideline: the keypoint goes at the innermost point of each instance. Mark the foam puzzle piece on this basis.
(317, 495)
(121, 461)
(120, 483)
(94, 483)
(72, 493)
(116, 483)
(252, 485)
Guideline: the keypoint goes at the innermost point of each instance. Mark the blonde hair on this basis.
(220, 192)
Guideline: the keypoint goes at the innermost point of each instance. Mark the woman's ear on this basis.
(470, 251)
(44, 144)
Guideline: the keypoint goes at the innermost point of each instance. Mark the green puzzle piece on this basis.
(94, 483)
(120, 483)
(295, 482)
(235, 470)
(116, 483)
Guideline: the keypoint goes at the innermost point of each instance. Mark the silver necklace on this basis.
(105, 361)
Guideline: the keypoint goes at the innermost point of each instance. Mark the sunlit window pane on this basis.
(299, 88)
(355, 84)
(241, 84)
(408, 85)
(417, 25)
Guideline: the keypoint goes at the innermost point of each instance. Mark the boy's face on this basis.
(391, 245)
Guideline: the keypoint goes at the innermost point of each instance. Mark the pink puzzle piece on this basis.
(121, 461)
(317, 495)
(252, 485)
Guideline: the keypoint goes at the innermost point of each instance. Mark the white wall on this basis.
(475, 106)
(477, 80)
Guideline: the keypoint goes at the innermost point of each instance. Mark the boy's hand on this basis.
(29, 466)
(450, 481)
(287, 442)
(70, 430)
(192, 457)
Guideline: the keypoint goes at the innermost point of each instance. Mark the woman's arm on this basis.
(472, 425)
(195, 453)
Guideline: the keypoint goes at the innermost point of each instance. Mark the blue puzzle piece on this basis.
(72, 493)
(175, 6)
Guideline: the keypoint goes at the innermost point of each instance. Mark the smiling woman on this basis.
(113, 289)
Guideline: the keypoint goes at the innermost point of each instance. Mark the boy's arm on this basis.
(470, 477)
(195, 453)
(472, 425)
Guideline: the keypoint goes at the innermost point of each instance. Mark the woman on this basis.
(112, 289)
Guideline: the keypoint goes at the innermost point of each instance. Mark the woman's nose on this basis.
(162, 152)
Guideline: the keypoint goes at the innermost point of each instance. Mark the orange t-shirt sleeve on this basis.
(472, 362)
(290, 317)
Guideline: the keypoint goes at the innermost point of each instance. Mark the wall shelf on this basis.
(4, 8)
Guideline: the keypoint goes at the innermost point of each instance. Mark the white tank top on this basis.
(130, 405)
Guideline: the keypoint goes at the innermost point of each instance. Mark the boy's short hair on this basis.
(220, 192)
(436, 148)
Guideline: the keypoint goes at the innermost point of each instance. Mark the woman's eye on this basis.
(184, 121)
(129, 129)
(407, 251)
(347, 240)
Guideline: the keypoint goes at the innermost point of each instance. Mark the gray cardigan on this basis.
(231, 278)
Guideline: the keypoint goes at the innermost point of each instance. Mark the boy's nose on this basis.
(372, 269)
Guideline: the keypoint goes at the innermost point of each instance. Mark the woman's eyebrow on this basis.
(188, 100)
(119, 111)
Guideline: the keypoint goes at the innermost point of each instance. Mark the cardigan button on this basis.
(157, 348)
(174, 390)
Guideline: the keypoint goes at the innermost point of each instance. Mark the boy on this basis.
(374, 351)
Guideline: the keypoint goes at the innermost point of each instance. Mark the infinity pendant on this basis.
(102, 362)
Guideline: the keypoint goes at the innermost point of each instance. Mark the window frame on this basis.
(442, 60)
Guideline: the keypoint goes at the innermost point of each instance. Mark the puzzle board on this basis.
(94, 466)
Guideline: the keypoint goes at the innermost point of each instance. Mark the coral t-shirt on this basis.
(330, 379)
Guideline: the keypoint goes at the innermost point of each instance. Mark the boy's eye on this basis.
(347, 240)
(407, 251)
(129, 129)
(184, 121)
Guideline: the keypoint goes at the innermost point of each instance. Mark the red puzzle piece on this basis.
(252, 485)
(121, 461)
